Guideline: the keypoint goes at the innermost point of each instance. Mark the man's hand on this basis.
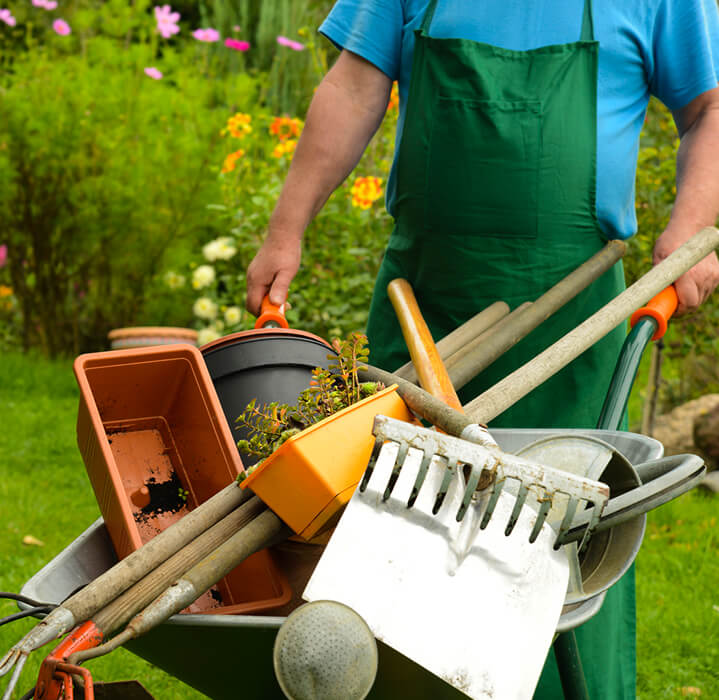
(693, 287)
(271, 271)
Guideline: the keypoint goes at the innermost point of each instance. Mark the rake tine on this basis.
(450, 472)
(474, 476)
(566, 521)
(15, 677)
(398, 462)
(596, 514)
(497, 487)
(521, 499)
(541, 517)
(370, 464)
(427, 456)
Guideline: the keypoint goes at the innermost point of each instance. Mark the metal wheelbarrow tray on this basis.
(204, 650)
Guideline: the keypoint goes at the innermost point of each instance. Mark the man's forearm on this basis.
(344, 114)
(697, 201)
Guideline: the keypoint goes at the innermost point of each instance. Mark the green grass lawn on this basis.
(44, 492)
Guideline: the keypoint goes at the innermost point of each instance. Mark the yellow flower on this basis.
(286, 128)
(365, 191)
(233, 315)
(238, 125)
(5, 291)
(284, 148)
(231, 161)
(393, 97)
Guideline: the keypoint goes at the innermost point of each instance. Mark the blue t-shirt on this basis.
(667, 48)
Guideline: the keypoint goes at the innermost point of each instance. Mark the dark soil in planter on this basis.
(164, 498)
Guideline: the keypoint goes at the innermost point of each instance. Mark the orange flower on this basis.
(285, 128)
(393, 97)
(231, 161)
(365, 191)
(284, 148)
(238, 125)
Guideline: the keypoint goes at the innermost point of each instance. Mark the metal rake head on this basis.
(555, 495)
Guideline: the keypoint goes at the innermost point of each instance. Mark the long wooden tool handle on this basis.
(481, 352)
(428, 364)
(479, 324)
(518, 384)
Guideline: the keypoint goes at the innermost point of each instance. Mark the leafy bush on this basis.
(103, 170)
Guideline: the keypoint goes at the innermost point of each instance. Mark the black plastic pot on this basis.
(264, 364)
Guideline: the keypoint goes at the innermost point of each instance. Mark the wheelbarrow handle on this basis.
(662, 480)
(661, 308)
(271, 315)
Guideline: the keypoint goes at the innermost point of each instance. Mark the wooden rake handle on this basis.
(427, 362)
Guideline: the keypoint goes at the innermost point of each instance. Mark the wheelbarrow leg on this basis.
(566, 650)
(569, 665)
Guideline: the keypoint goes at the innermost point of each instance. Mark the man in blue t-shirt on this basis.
(515, 159)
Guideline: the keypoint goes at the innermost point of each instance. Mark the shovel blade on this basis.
(475, 607)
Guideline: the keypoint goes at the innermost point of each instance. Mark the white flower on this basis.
(173, 280)
(219, 249)
(203, 276)
(205, 308)
(219, 325)
(207, 335)
(233, 314)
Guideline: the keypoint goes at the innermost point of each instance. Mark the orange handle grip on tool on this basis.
(660, 308)
(271, 316)
(427, 362)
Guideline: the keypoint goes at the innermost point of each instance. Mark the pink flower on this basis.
(3, 247)
(294, 45)
(166, 21)
(153, 73)
(45, 4)
(61, 27)
(6, 16)
(237, 45)
(206, 34)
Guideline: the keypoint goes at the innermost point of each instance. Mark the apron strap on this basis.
(427, 19)
(587, 22)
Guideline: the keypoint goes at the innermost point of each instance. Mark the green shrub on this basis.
(104, 172)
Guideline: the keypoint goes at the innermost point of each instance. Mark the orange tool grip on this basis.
(660, 308)
(427, 362)
(271, 315)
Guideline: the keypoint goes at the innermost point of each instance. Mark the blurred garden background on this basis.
(142, 148)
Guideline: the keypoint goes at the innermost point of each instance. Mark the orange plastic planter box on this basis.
(311, 477)
(150, 427)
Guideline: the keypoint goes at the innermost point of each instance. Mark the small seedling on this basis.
(183, 494)
(330, 391)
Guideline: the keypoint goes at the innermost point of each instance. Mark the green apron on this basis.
(495, 201)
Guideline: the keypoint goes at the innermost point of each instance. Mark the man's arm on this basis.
(347, 109)
(697, 201)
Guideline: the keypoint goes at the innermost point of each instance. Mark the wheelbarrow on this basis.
(203, 650)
